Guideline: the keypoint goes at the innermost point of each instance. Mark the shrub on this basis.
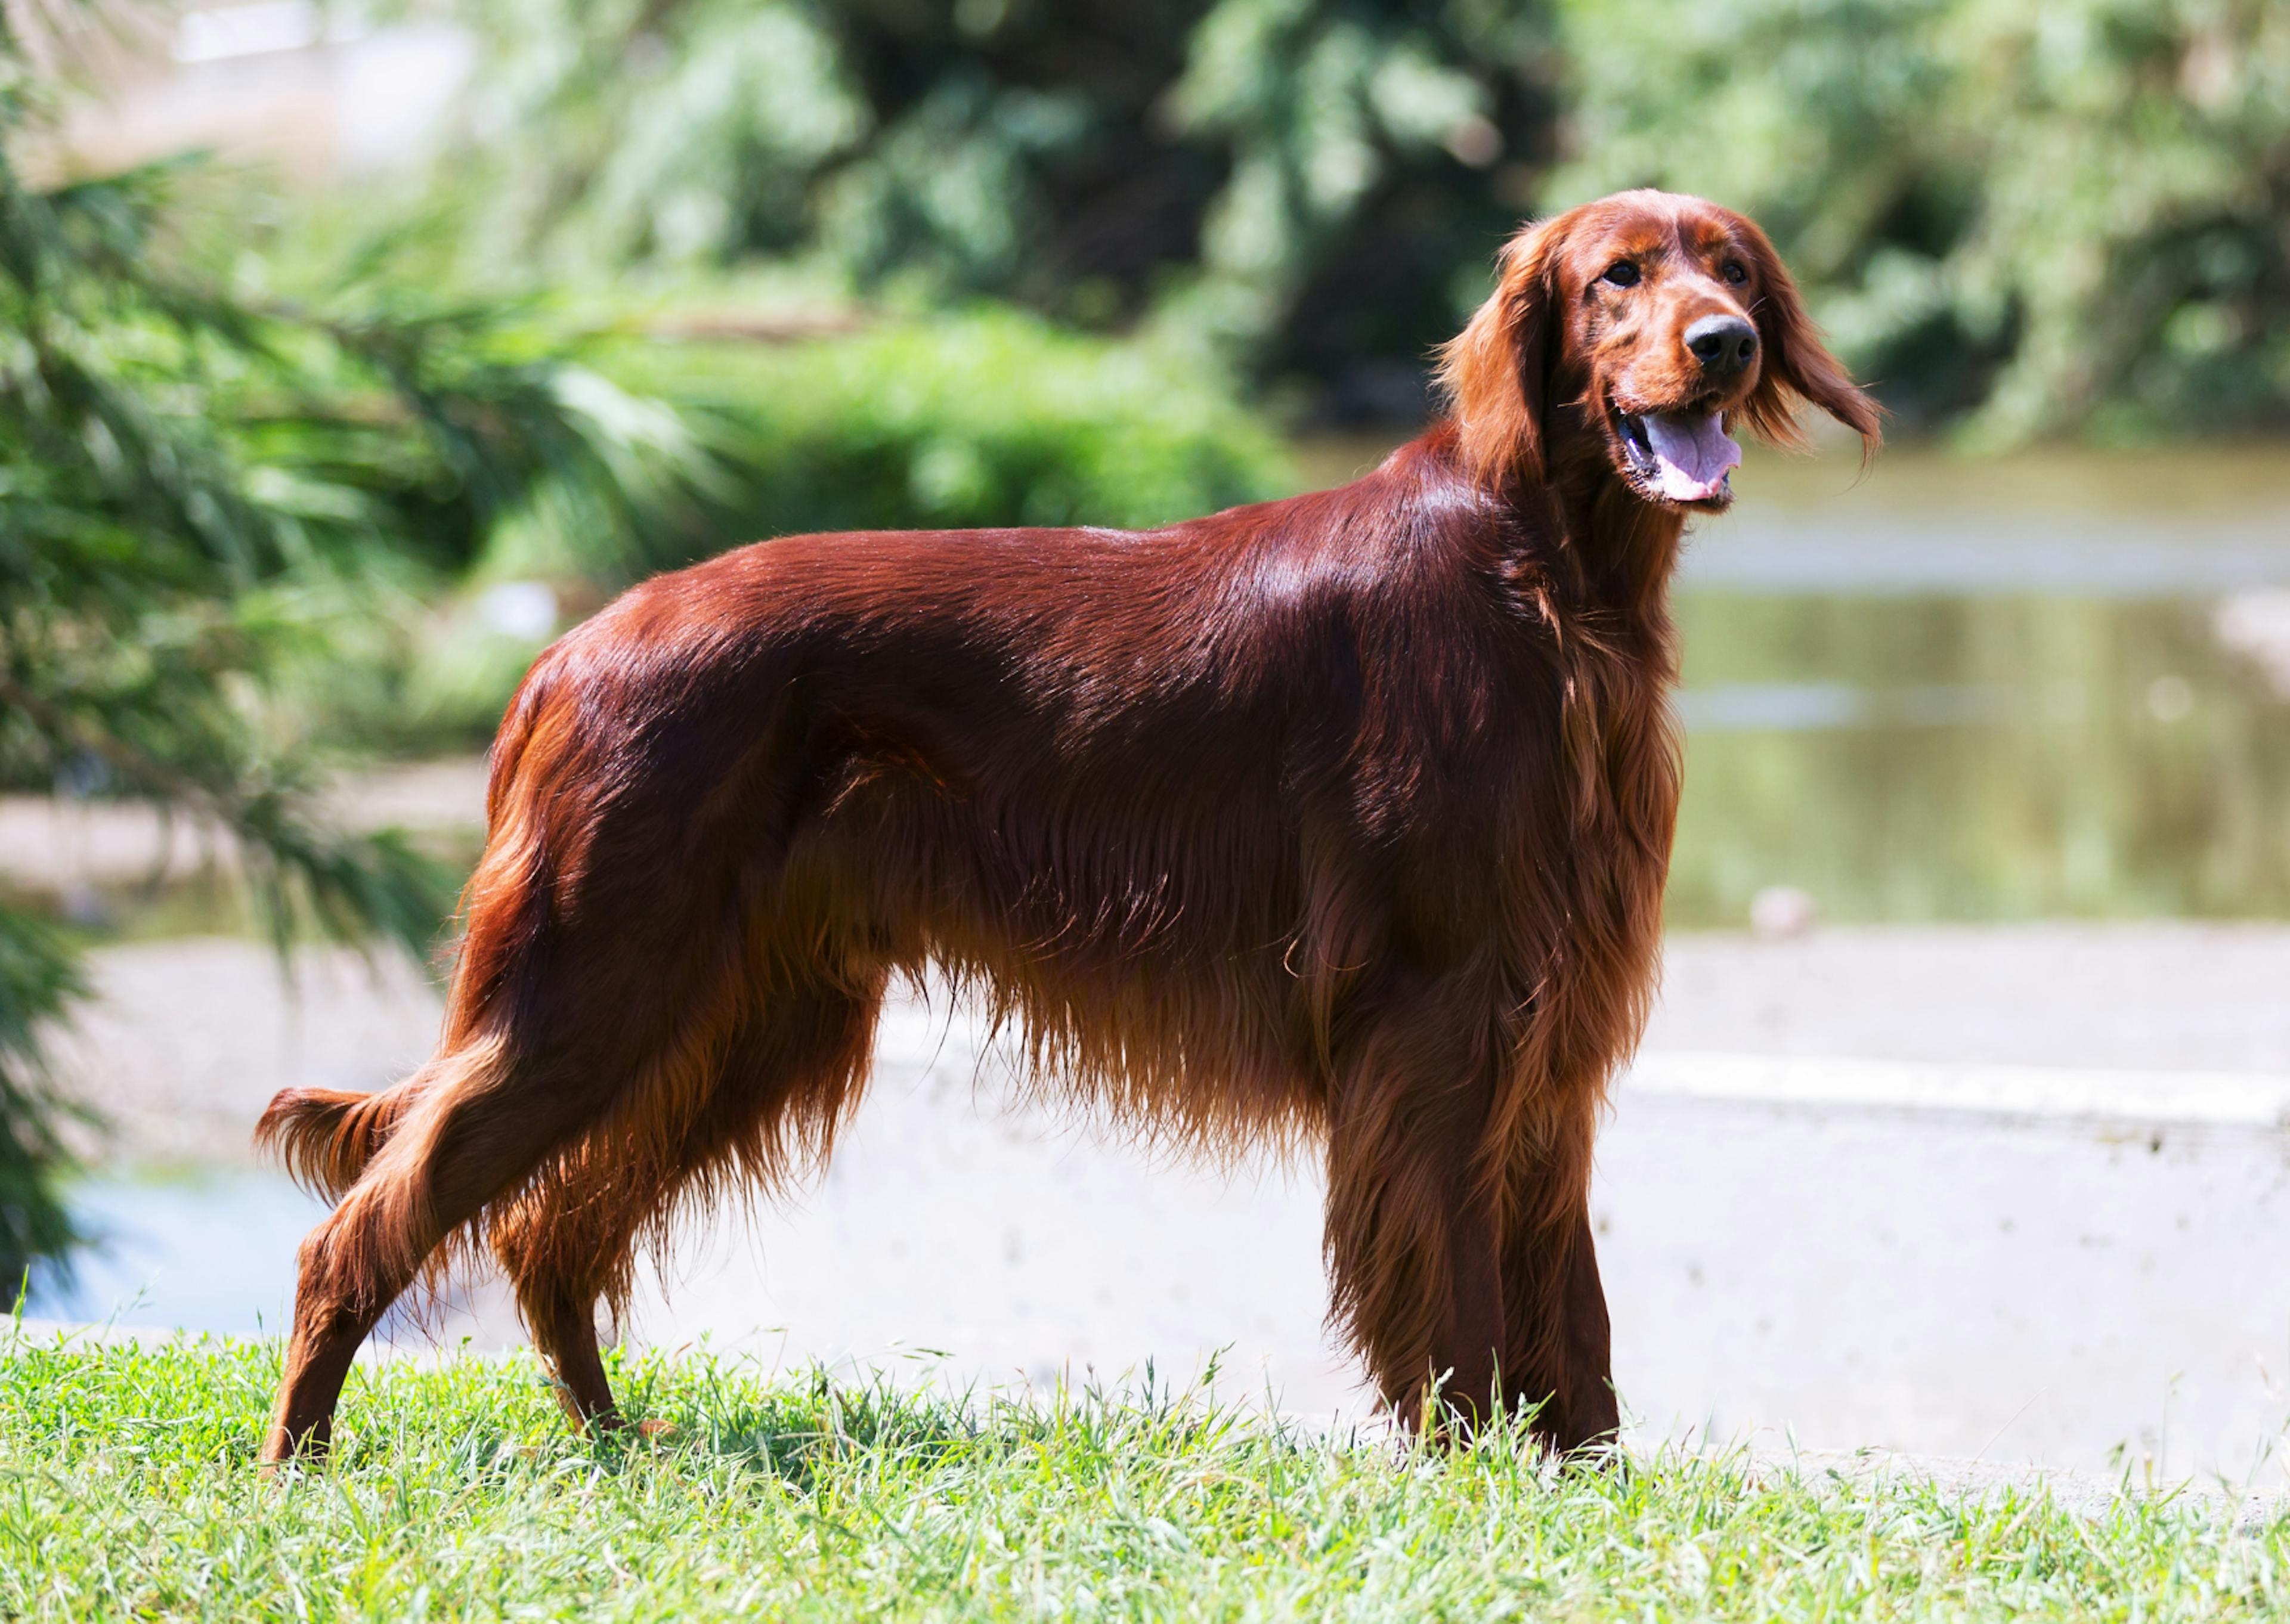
(983, 418)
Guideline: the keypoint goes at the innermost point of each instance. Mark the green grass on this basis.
(128, 1488)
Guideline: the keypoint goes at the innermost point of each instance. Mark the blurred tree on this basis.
(1317, 185)
(2045, 216)
(984, 417)
(1376, 155)
(203, 492)
(2038, 217)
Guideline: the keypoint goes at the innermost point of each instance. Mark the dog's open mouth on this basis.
(1682, 457)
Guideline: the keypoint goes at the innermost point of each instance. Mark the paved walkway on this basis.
(2012, 1196)
(189, 1039)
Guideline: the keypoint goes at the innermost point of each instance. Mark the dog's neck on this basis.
(1628, 546)
(1609, 548)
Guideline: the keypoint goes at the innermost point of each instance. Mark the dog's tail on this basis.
(324, 1136)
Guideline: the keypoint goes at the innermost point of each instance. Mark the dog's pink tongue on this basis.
(1693, 453)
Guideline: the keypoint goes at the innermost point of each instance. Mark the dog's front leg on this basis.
(1559, 1352)
(1411, 1243)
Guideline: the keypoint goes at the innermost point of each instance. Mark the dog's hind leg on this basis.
(482, 1126)
(558, 1244)
(790, 1072)
(549, 1060)
(1412, 1245)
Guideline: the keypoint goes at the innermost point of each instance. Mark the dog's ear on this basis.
(1496, 373)
(1798, 367)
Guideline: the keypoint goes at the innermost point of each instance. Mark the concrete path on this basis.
(2020, 1290)
(188, 1039)
(1955, 1193)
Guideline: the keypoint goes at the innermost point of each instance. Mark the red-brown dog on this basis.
(1343, 816)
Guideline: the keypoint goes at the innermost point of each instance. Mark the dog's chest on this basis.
(1619, 744)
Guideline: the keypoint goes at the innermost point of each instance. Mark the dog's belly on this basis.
(1145, 966)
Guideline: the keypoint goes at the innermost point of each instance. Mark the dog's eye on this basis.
(1734, 272)
(1622, 273)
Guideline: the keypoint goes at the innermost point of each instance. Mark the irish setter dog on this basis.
(1343, 818)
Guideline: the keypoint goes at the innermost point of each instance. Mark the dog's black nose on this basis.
(1723, 344)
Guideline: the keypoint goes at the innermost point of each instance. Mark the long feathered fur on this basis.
(1339, 820)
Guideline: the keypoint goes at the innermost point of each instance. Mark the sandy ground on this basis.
(1927, 1282)
(1934, 1286)
(186, 1041)
(189, 1039)
(2149, 996)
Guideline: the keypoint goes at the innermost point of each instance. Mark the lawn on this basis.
(128, 1488)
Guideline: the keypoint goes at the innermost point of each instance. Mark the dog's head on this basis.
(1642, 327)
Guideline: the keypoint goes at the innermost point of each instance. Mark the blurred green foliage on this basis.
(2031, 217)
(962, 418)
(2042, 217)
(1312, 187)
(205, 495)
(985, 418)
